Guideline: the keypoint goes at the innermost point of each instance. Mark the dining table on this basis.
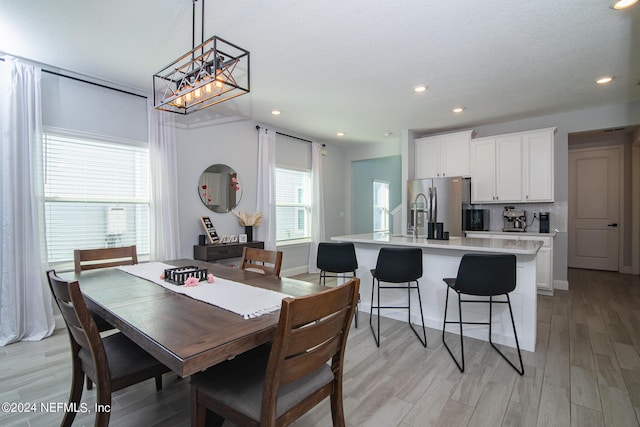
(185, 334)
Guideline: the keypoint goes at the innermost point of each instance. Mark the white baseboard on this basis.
(303, 269)
(562, 285)
(59, 321)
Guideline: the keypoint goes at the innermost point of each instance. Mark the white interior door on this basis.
(594, 202)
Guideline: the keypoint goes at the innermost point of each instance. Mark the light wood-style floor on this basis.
(585, 372)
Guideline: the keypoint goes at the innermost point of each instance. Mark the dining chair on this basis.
(89, 259)
(483, 275)
(261, 261)
(401, 267)
(273, 385)
(112, 362)
(336, 259)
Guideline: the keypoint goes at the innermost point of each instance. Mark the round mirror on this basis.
(219, 188)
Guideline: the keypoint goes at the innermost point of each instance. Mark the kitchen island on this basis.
(441, 259)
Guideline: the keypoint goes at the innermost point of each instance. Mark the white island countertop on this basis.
(523, 247)
(441, 258)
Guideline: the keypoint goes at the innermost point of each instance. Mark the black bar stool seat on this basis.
(398, 266)
(338, 258)
(487, 276)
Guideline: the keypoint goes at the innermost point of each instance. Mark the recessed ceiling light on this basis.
(458, 110)
(604, 80)
(275, 112)
(341, 134)
(623, 4)
(419, 89)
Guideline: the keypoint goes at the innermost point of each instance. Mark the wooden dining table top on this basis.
(185, 334)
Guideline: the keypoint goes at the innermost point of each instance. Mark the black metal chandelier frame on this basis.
(212, 72)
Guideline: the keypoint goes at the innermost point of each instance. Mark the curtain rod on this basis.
(290, 136)
(44, 70)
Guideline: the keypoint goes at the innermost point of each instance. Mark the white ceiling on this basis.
(351, 65)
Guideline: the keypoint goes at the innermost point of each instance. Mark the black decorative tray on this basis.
(178, 275)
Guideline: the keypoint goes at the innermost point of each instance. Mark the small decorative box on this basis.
(178, 275)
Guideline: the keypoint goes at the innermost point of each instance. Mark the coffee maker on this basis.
(514, 219)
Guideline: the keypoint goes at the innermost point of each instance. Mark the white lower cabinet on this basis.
(544, 259)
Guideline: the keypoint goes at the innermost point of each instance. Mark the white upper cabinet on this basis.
(442, 155)
(538, 175)
(512, 168)
(508, 169)
(483, 179)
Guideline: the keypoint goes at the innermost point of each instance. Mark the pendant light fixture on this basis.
(212, 72)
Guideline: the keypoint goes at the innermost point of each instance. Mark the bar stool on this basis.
(398, 265)
(487, 276)
(338, 258)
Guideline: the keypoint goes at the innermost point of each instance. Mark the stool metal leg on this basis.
(424, 331)
(446, 305)
(375, 337)
(515, 334)
(322, 281)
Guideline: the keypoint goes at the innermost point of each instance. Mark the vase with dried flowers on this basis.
(248, 221)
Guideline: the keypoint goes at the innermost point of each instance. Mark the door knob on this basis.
(615, 224)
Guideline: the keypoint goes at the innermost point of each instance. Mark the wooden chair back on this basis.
(89, 259)
(312, 331)
(130, 364)
(83, 331)
(262, 261)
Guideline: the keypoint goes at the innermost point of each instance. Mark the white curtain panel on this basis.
(26, 312)
(317, 206)
(266, 198)
(164, 236)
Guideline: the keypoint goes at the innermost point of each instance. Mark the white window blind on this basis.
(96, 195)
(293, 204)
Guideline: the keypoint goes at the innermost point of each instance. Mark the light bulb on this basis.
(188, 97)
(208, 88)
(218, 84)
(178, 101)
(623, 4)
(198, 93)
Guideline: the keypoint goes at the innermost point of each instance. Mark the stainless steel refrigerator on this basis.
(437, 200)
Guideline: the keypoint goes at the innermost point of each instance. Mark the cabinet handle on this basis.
(615, 224)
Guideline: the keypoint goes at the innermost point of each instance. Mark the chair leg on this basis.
(446, 305)
(515, 334)
(356, 316)
(103, 402)
(375, 337)
(337, 409)
(424, 331)
(201, 416)
(76, 393)
(159, 383)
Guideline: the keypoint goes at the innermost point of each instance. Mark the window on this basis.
(293, 204)
(380, 206)
(96, 195)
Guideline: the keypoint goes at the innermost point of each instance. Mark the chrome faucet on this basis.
(415, 213)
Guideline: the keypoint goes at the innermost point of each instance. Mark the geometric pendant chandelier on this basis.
(212, 72)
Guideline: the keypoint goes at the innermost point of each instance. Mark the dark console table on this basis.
(218, 251)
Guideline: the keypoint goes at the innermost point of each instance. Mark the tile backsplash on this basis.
(557, 215)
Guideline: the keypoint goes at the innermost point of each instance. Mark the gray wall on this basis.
(364, 172)
(235, 144)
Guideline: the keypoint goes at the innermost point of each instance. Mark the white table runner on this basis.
(245, 300)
